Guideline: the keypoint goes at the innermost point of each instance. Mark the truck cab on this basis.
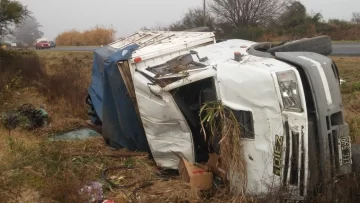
(288, 105)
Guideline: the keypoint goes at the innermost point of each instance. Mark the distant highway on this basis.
(344, 49)
(72, 48)
(350, 49)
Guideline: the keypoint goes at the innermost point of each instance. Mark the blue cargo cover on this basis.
(121, 126)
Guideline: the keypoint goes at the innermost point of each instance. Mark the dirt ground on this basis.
(35, 170)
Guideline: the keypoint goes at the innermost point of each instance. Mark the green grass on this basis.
(349, 68)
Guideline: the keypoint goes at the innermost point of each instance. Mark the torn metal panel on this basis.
(165, 126)
(191, 78)
(125, 72)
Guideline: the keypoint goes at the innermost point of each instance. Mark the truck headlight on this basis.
(289, 90)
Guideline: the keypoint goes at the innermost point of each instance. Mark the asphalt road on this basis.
(80, 48)
(350, 49)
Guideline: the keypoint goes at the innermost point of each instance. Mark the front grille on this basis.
(294, 172)
(302, 165)
(335, 121)
(287, 153)
(294, 163)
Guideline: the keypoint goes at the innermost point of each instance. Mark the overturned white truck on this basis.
(148, 89)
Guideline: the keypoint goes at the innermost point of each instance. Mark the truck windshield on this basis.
(176, 65)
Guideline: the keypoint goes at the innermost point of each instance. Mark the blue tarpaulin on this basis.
(122, 128)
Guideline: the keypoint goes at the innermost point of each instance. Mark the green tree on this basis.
(294, 15)
(295, 21)
(28, 31)
(355, 18)
(192, 19)
(12, 13)
(247, 13)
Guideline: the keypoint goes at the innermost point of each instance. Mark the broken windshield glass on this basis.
(176, 65)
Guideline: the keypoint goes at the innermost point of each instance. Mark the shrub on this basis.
(63, 83)
(98, 35)
(19, 67)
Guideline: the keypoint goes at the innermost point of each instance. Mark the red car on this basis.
(42, 45)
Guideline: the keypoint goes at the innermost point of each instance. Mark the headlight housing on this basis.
(289, 90)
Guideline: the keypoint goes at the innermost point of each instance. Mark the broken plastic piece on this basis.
(94, 190)
(81, 134)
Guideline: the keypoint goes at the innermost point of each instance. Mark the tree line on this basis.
(257, 20)
(265, 20)
(17, 24)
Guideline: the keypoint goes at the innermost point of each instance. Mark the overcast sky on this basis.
(128, 16)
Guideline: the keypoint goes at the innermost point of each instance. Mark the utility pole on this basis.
(204, 12)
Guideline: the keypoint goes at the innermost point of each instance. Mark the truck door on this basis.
(165, 126)
(250, 93)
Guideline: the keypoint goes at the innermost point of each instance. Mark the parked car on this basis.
(4, 45)
(52, 44)
(42, 45)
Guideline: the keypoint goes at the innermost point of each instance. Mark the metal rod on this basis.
(204, 12)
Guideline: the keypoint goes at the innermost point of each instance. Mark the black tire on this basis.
(321, 45)
(95, 118)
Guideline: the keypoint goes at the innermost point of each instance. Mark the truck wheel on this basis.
(321, 45)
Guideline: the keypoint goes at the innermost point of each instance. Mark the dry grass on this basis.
(36, 170)
(98, 35)
(223, 123)
(350, 72)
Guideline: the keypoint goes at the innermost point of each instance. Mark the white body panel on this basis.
(248, 85)
(165, 126)
(261, 99)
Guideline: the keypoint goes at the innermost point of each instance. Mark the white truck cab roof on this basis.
(157, 43)
(219, 55)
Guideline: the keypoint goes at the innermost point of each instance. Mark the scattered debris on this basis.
(196, 175)
(81, 134)
(342, 81)
(216, 167)
(111, 182)
(94, 190)
(108, 201)
(26, 117)
(113, 154)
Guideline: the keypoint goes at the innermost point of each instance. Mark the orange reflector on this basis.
(237, 56)
(137, 59)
